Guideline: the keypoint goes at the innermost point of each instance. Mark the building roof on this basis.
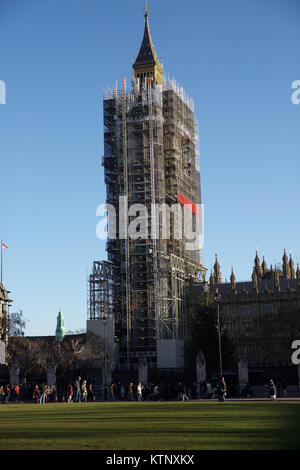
(147, 54)
(262, 285)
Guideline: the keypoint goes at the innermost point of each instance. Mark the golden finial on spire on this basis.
(146, 8)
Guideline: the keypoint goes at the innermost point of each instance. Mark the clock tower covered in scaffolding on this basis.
(150, 160)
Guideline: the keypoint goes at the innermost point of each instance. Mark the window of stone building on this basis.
(245, 310)
(267, 308)
(225, 311)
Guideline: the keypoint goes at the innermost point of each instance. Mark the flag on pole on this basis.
(4, 246)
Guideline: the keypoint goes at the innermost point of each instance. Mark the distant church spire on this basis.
(60, 327)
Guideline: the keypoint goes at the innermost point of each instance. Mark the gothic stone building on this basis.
(263, 315)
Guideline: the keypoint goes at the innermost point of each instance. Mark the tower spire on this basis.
(147, 66)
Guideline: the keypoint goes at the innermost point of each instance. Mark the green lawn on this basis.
(151, 426)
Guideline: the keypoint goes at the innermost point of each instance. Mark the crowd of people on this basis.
(41, 394)
(80, 391)
(10, 393)
(120, 391)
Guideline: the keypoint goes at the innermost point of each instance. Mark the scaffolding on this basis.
(150, 157)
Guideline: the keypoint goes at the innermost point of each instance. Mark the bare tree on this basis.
(30, 355)
(16, 324)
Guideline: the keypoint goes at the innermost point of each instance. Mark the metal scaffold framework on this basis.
(150, 157)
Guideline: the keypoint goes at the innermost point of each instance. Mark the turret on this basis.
(292, 267)
(277, 280)
(257, 267)
(217, 272)
(254, 281)
(264, 267)
(298, 276)
(233, 281)
(285, 266)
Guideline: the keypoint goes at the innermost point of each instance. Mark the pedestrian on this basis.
(70, 394)
(36, 394)
(77, 390)
(113, 392)
(17, 393)
(43, 394)
(209, 391)
(52, 393)
(7, 393)
(139, 390)
(84, 391)
(183, 393)
(2, 395)
(222, 390)
(272, 390)
(155, 392)
(91, 394)
(130, 391)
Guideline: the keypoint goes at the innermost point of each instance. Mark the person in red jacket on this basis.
(17, 392)
(36, 394)
(70, 393)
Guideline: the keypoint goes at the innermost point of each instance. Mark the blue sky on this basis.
(237, 60)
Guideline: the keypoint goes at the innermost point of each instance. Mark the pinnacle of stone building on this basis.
(233, 280)
(277, 281)
(258, 267)
(211, 279)
(298, 275)
(285, 266)
(264, 266)
(217, 272)
(254, 281)
(292, 267)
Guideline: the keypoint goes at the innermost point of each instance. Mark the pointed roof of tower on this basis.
(286, 266)
(264, 266)
(256, 259)
(298, 275)
(292, 266)
(217, 271)
(147, 54)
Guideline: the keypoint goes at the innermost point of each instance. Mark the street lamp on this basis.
(104, 322)
(217, 300)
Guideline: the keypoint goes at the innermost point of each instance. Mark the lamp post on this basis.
(105, 364)
(217, 300)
